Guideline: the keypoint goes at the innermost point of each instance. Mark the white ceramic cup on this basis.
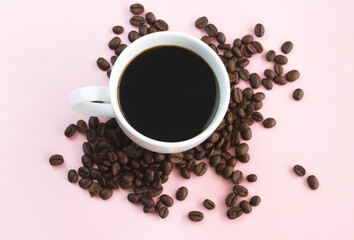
(84, 100)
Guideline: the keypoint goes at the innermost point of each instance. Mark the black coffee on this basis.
(168, 93)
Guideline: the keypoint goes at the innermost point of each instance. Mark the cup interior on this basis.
(170, 39)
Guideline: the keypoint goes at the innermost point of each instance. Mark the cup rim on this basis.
(115, 75)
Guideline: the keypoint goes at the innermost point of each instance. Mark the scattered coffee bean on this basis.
(292, 75)
(269, 123)
(185, 173)
(313, 182)
(118, 29)
(255, 201)
(70, 130)
(237, 43)
(208, 204)
(93, 122)
(211, 30)
(137, 8)
(161, 25)
(278, 69)
(152, 29)
(72, 176)
(234, 212)
(240, 191)
(225, 46)
(94, 189)
(133, 35)
(270, 56)
(298, 94)
(103, 64)
(299, 170)
(149, 210)
(244, 74)
(166, 200)
(245, 206)
(195, 216)
(120, 49)
(85, 183)
(106, 193)
(114, 43)
(231, 199)
(252, 178)
(257, 116)
(56, 160)
(84, 172)
(227, 172)
(247, 39)
(137, 21)
(81, 126)
(287, 47)
(237, 177)
(255, 80)
(267, 84)
(150, 18)
(201, 22)
(133, 198)
(163, 212)
(259, 30)
(241, 149)
(220, 37)
(206, 39)
(280, 80)
(182, 193)
(143, 30)
(258, 46)
(281, 59)
(269, 74)
(201, 169)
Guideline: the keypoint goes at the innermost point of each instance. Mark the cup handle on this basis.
(92, 101)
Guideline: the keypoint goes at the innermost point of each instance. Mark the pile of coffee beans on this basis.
(111, 160)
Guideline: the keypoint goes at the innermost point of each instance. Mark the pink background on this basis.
(49, 48)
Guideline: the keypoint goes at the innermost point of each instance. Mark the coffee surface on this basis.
(168, 93)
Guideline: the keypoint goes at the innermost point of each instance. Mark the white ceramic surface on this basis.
(81, 99)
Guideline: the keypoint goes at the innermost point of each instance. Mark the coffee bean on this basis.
(292, 75)
(237, 94)
(152, 29)
(248, 93)
(84, 172)
(231, 66)
(161, 25)
(280, 80)
(237, 52)
(163, 212)
(259, 96)
(299, 170)
(255, 200)
(258, 46)
(259, 30)
(85, 183)
(252, 178)
(150, 18)
(234, 212)
(244, 74)
(313, 182)
(133, 198)
(154, 192)
(228, 54)
(215, 160)
(245, 52)
(70, 130)
(212, 46)
(257, 116)
(226, 46)
(149, 175)
(137, 21)
(102, 64)
(94, 189)
(208, 204)
(149, 210)
(247, 39)
(87, 161)
(287, 47)
(237, 177)
(166, 167)
(281, 59)
(269, 74)
(114, 43)
(242, 63)
(231, 162)
(267, 84)
(137, 8)
(166, 200)
(240, 191)
(201, 22)
(185, 173)
(195, 216)
(220, 37)
(227, 172)
(269, 123)
(182, 193)
(278, 69)
(247, 134)
(201, 169)
(237, 43)
(122, 158)
(72, 176)
(241, 149)
(133, 35)
(106, 193)
(211, 30)
(93, 122)
(118, 29)
(147, 201)
(245, 206)
(298, 94)
(143, 30)
(219, 168)
(257, 105)
(270, 56)
(255, 80)
(231, 199)
(141, 190)
(56, 160)
(251, 48)
(206, 39)
(199, 155)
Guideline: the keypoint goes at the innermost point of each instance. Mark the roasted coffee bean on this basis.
(91, 135)
(212, 45)
(166, 200)
(281, 59)
(226, 155)
(244, 74)
(206, 39)
(81, 126)
(201, 169)
(257, 116)
(233, 78)
(195, 216)
(249, 109)
(94, 172)
(228, 54)
(201, 22)
(248, 93)
(269, 123)
(247, 39)
(242, 63)
(251, 48)
(85, 183)
(259, 96)
(133, 35)
(299, 170)
(182, 193)
(231, 66)
(114, 43)
(280, 80)
(143, 30)
(234, 212)
(258, 46)
(199, 155)
(237, 177)
(292, 75)
(84, 172)
(147, 201)
(298, 94)
(141, 190)
(161, 25)
(227, 144)
(255, 201)
(237, 94)
(137, 21)
(209, 154)
(229, 118)
(220, 37)
(70, 130)
(240, 191)
(72, 176)
(118, 29)
(259, 30)
(287, 47)
(185, 173)
(231, 162)
(166, 167)
(153, 192)
(245, 206)
(226, 46)
(214, 137)
(137, 8)
(94, 189)
(270, 56)
(102, 64)
(163, 212)
(87, 161)
(158, 205)
(267, 84)
(242, 149)
(106, 193)
(247, 134)
(252, 178)
(237, 52)
(269, 74)
(122, 158)
(93, 122)
(255, 80)
(208, 204)
(278, 69)
(231, 199)
(243, 158)
(149, 175)
(211, 30)
(227, 172)
(149, 210)
(56, 160)
(241, 113)
(313, 182)
(257, 105)
(219, 168)
(215, 160)
(150, 18)
(152, 29)
(237, 43)
(120, 49)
